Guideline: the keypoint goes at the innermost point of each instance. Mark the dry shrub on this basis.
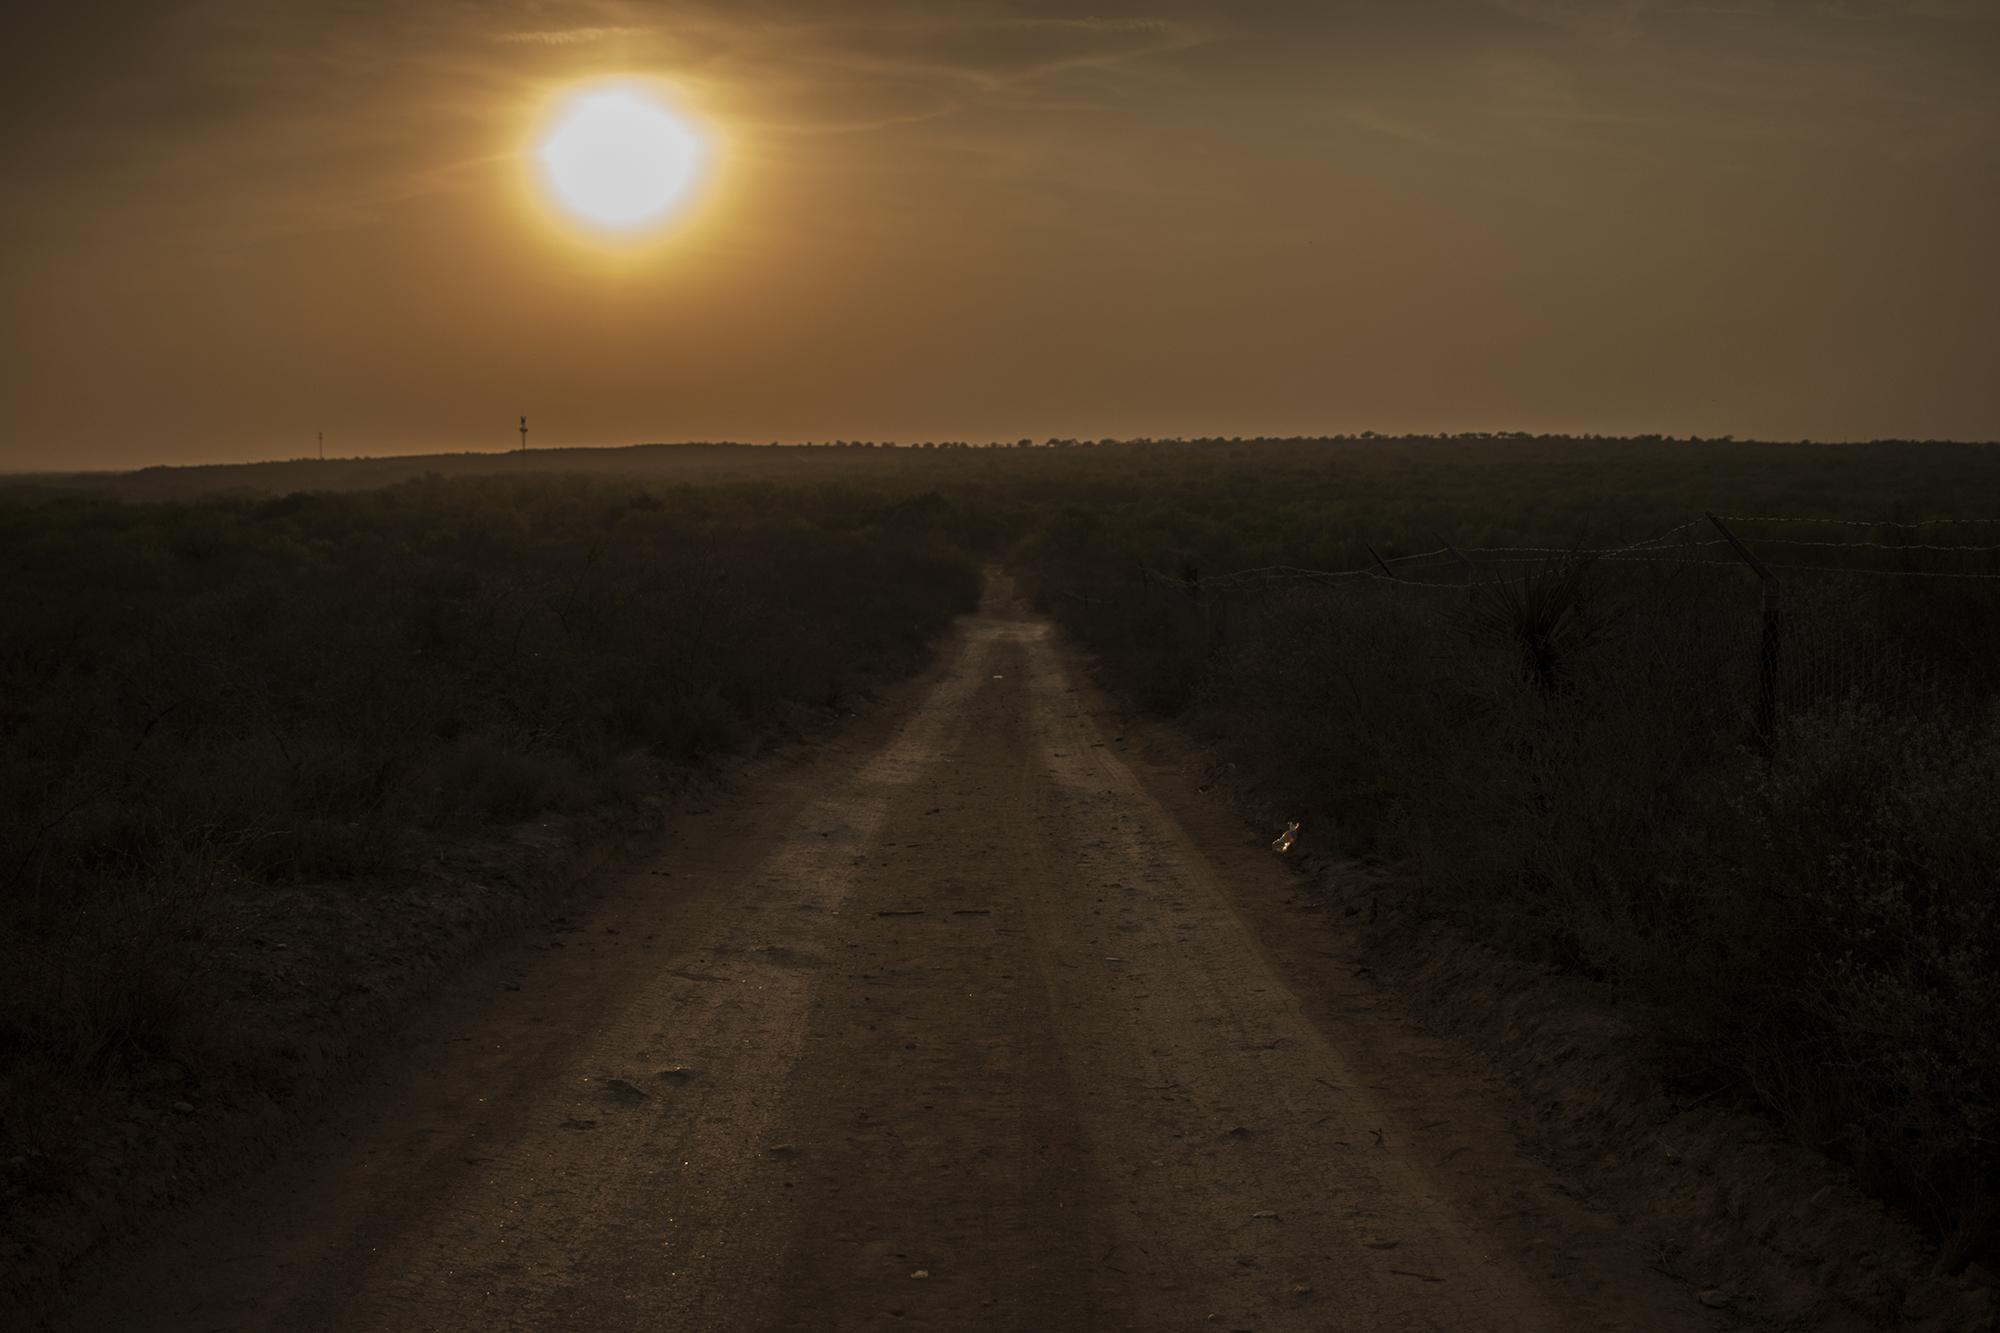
(1865, 931)
(111, 972)
(479, 780)
(201, 700)
(1569, 760)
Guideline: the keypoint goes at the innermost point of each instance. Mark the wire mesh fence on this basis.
(1797, 615)
(1748, 768)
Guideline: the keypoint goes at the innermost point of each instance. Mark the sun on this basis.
(619, 159)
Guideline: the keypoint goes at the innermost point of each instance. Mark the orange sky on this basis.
(231, 224)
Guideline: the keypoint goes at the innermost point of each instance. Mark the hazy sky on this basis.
(233, 223)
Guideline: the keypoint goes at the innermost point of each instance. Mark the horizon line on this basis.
(1046, 442)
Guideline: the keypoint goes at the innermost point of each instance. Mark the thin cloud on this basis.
(1375, 122)
(1615, 21)
(568, 36)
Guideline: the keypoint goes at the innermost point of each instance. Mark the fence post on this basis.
(1461, 559)
(1767, 655)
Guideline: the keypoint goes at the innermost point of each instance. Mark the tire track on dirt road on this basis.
(957, 1027)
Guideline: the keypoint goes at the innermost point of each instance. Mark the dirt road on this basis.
(974, 1020)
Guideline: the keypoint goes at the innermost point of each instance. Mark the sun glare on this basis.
(620, 160)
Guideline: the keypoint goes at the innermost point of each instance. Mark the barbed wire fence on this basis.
(1821, 613)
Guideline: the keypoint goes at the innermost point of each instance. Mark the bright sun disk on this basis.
(619, 159)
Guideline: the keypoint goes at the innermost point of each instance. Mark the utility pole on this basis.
(524, 435)
(322, 446)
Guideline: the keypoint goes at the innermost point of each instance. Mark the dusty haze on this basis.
(229, 225)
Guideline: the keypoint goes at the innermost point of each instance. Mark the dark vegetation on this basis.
(217, 711)
(1567, 756)
(209, 691)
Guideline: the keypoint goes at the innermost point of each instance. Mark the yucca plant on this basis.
(1548, 616)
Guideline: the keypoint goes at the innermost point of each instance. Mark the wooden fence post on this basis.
(1767, 655)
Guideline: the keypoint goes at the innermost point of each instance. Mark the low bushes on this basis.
(200, 698)
(1569, 760)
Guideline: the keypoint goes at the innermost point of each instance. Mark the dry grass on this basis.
(209, 706)
(1569, 761)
